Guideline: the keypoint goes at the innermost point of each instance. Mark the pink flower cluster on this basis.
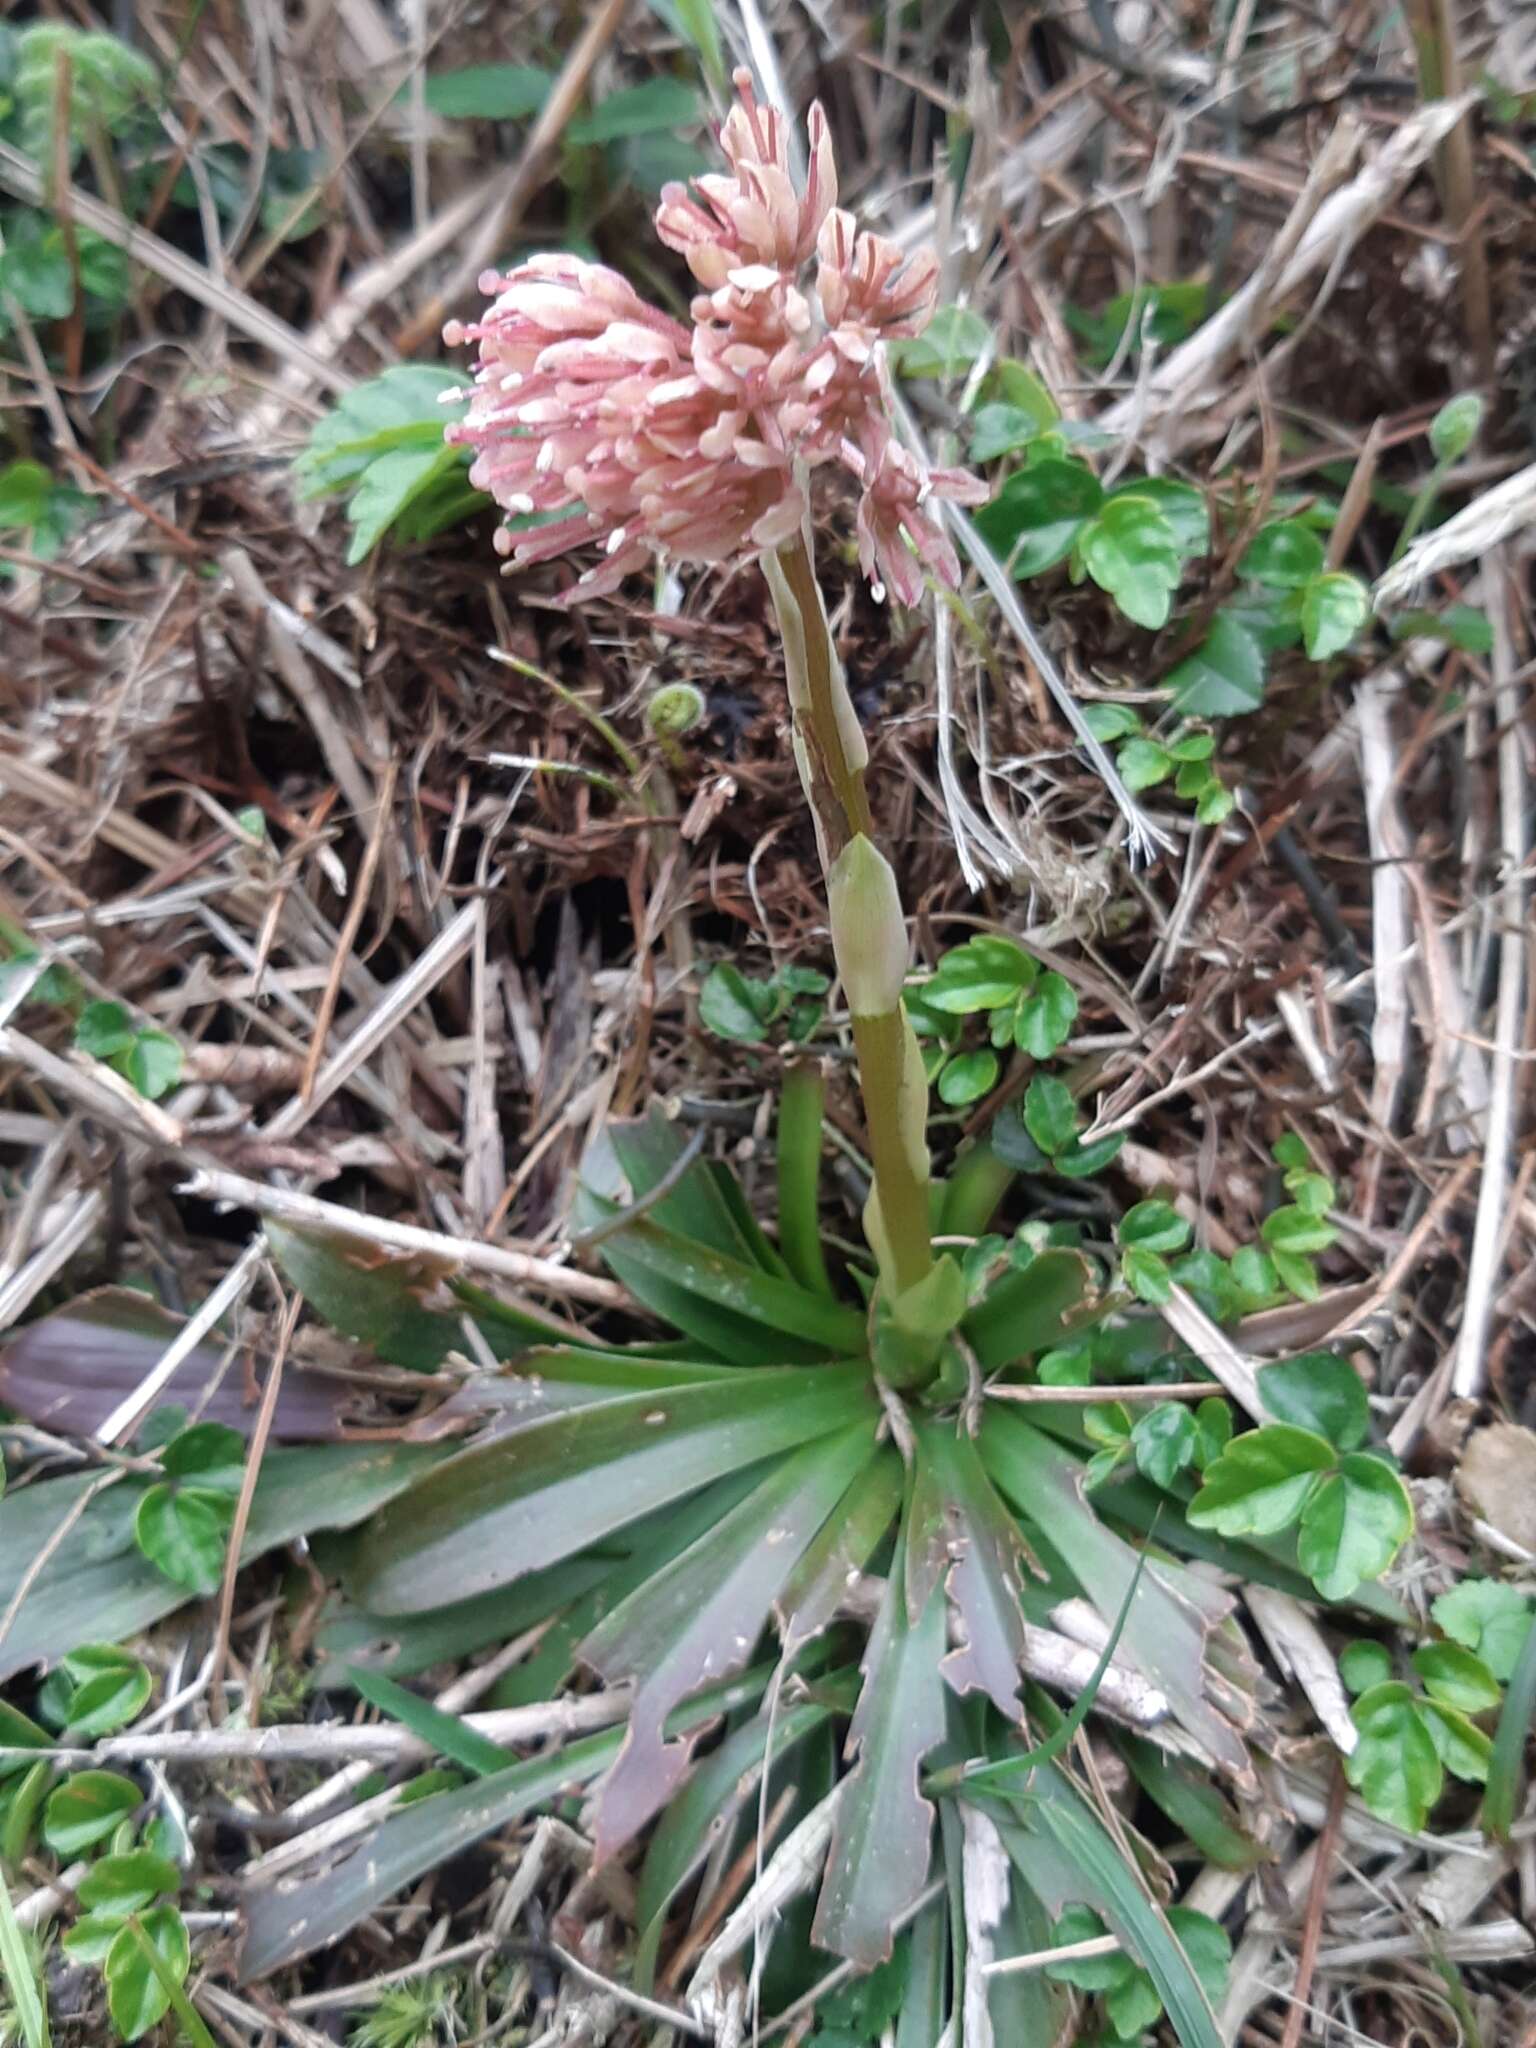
(645, 433)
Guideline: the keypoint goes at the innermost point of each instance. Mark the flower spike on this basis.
(630, 433)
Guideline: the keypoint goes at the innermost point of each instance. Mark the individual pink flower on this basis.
(641, 433)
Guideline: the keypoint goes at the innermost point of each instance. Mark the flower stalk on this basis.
(599, 420)
(869, 931)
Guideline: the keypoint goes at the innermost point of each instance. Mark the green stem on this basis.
(831, 755)
(885, 1047)
(976, 1186)
(799, 1148)
(1422, 505)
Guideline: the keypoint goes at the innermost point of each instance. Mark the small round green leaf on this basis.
(153, 1063)
(86, 1808)
(1143, 764)
(1087, 1973)
(1285, 555)
(1164, 1440)
(1456, 1677)
(1395, 1766)
(1182, 506)
(1254, 1272)
(1193, 747)
(729, 1006)
(1132, 551)
(1490, 1618)
(984, 973)
(1206, 1943)
(182, 1531)
(1108, 721)
(1224, 677)
(1261, 1482)
(1296, 1273)
(209, 1454)
(967, 1077)
(1364, 1664)
(488, 92)
(1046, 1017)
(103, 1030)
(999, 429)
(1133, 2006)
(1353, 1525)
(1455, 426)
(1035, 518)
(1333, 609)
(1320, 1392)
(1153, 1227)
(136, 1997)
(1082, 1161)
(1292, 1229)
(25, 488)
(112, 1688)
(1216, 803)
(953, 339)
(1463, 1748)
(124, 1884)
(1050, 1114)
(91, 1937)
(1147, 1276)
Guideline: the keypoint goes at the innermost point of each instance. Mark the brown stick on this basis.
(1317, 1899)
(260, 1431)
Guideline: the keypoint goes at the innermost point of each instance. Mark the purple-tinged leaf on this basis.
(707, 1805)
(835, 1558)
(700, 1618)
(989, 1561)
(881, 1845)
(68, 1371)
(286, 1921)
(500, 1509)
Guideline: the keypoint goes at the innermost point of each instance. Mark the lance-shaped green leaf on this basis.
(1029, 1308)
(704, 1202)
(97, 1587)
(543, 1382)
(730, 1306)
(878, 1861)
(374, 1297)
(692, 1826)
(701, 1618)
(989, 1563)
(579, 1590)
(284, 1922)
(838, 1553)
(1063, 1852)
(523, 1501)
(1194, 1805)
(1173, 1612)
(1507, 1763)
